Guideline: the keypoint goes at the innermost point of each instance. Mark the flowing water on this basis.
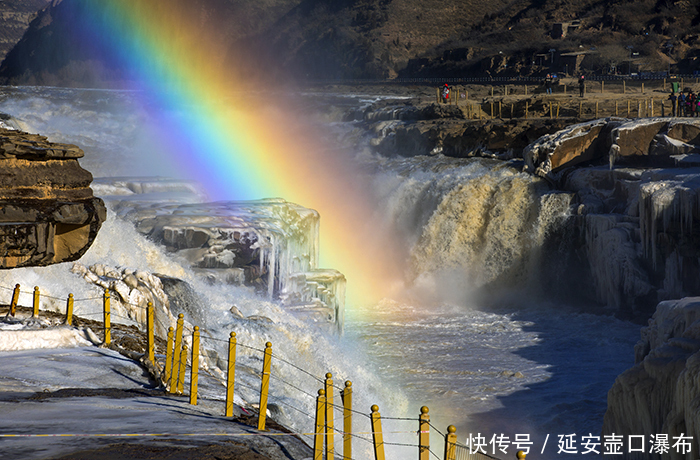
(512, 364)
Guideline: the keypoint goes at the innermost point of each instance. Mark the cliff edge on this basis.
(48, 213)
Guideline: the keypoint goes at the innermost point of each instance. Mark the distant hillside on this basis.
(53, 52)
(351, 39)
(446, 38)
(15, 16)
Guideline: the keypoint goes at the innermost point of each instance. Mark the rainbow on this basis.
(236, 148)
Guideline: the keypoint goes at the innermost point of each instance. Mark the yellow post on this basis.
(437, 90)
(168, 355)
(564, 89)
(652, 108)
(492, 108)
(525, 109)
(500, 113)
(424, 434)
(194, 375)
(550, 110)
(346, 396)
(330, 438)
(35, 313)
(107, 318)
(511, 111)
(377, 435)
(557, 110)
(616, 108)
(451, 443)
(231, 374)
(642, 87)
(320, 423)
(639, 109)
(624, 87)
(602, 87)
(179, 326)
(628, 109)
(183, 369)
(15, 299)
(150, 337)
(69, 310)
(265, 386)
(596, 109)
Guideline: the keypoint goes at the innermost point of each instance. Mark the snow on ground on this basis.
(54, 381)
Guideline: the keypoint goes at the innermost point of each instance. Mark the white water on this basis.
(518, 367)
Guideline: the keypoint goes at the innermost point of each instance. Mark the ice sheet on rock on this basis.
(614, 260)
(666, 204)
(318, 295)
(131, 291)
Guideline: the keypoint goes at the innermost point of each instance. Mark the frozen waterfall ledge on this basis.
(270, 245)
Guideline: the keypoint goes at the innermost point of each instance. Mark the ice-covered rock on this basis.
(661, 393)
(271, 244)
(131, 293)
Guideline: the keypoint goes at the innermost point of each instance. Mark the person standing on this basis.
(691, 104)
(445, 94)
(581, 86)
(674, 104)
(681, 104)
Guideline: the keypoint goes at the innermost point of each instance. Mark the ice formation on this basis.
(271, 244)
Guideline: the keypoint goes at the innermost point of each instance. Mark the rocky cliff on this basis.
(15, 17)
(48, 213)
(659, 395)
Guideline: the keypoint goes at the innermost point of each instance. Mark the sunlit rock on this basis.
(644, 141)
(48, 213)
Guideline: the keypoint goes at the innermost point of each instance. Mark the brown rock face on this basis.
(620, 140)
(48, 213)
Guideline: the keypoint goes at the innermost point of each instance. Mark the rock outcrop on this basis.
(646, 142)
(659, 394)
(407, 130)
(48, 213)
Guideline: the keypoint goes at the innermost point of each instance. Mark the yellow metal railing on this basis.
(324, 435)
